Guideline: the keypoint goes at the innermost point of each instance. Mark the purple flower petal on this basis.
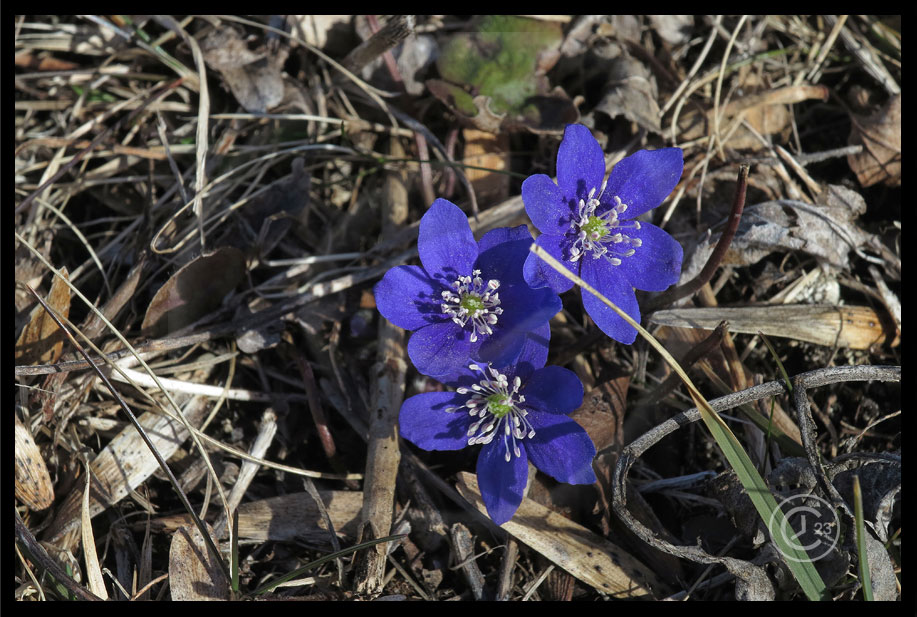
(545, 205)
(501, 350)
(657, 263)
(440, 349)
(502, 253)
(538, 273)
(580, 163)
(501, 482)
(408, 298)
(500, 235)
(643, 180)
(445, 244)
(553, 389)
(424, 422)
(534, 353)
(561, 448)
(613, 285)
(527, 308)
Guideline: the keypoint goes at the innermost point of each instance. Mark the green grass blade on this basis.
(865, 578)
(797, 559)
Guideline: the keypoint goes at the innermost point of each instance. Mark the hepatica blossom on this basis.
(468, 302)
(518, 414)
(590, 225)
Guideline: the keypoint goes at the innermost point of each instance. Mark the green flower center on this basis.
(499, 404)
(602, 235)
(498, 407)
(595, 228)
(472, 300)
(472, 303)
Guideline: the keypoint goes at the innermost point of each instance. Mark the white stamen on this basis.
(610, 245)
(484, 298)
(494, 403)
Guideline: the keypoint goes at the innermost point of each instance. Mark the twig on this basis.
(464, 555)
(315, 406)
(719, 252)
(643, 443)
(384, 455)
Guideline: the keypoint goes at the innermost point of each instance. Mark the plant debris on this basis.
(214, 251)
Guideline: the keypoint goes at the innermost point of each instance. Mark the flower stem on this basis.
(716, 257)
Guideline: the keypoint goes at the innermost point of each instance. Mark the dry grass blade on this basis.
(93, 572)
(66, 527)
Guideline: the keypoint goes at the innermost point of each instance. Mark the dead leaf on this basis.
(42, 341)
(827, 231)
(273, 212)
(673, 29)
(33, 483)
(766, 111)
(194, 291)
(631, 92)
(880, 135)
(588, 557)
(602, 412)
(253, 77)
(193, 573)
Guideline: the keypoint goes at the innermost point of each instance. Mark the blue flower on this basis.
(590, 226)
(468, 302)
(519, 414)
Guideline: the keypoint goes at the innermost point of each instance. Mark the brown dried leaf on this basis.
(880, 135)
(33, 483)
(631, 93)
(42, 341)
(602, 412)
(590, 558)
(194, 291)
(827, 231)
(764, 109)
(193, 573)
(253, 77)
